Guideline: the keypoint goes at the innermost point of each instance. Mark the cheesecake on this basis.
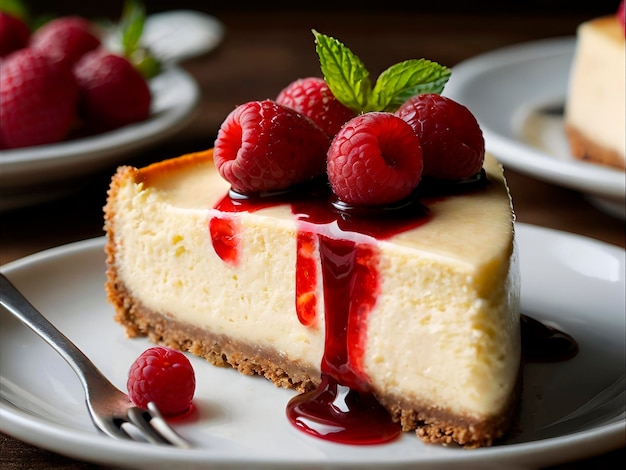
(595, 108)
(416, 311)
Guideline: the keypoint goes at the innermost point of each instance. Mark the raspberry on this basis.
(14, 34)
(375, 159)
(37, 100)
(112, 92)
(453, 146)
(265, 146)
(312, 97)
(66, 39)
(163, 376)
(621, 16)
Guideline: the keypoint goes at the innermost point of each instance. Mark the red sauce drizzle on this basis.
(543, 343)
(306, 278)
(224, 235)
(343, 408)
(224, 228)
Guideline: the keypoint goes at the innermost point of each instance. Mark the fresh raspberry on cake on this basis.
(112, 92)
(312, 97)
(375, 159)
(14, 33)
(66, 39)
(37, 100)
(265, 146)
(453, 146)
(163, 376)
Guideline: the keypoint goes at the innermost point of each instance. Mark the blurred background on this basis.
(552, 7)
(265, 46)
(275, 38)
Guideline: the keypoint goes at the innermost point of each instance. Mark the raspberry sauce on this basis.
(338, 413)
(343, 408)
(543, 343)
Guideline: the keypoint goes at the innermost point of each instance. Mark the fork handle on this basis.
(15, 302)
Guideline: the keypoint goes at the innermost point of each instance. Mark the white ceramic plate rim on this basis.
(166, 118)
(36, 174)
(521, 59)
(537, 246)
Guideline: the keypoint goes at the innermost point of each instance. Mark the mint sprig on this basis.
(14, 8)
(349, 80)
(131, 25)
(131, 30)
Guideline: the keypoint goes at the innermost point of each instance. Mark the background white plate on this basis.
(517, 94)
(33, 174)
(571, 410)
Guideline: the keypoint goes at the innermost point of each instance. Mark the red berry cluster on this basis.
(60, 80)
(263, 145)
(374, 158)
(163, 376)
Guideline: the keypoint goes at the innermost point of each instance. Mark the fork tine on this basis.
(105, 402)
(141, 419)
(112, 428)
(159, 423)
(154, 428)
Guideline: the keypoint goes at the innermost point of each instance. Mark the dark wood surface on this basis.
(262, 51)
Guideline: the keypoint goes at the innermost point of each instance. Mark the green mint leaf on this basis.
(131, 26)
(147, 65)
(343, 71)
(348, 79)
(15, 8)
(406, 79)
(131, 29)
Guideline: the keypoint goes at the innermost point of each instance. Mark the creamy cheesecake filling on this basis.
(596, 100)
(441, 295)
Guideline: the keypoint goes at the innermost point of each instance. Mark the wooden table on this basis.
(260, 54)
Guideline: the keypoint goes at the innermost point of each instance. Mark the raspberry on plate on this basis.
(14, 34)
(453, 146)
(66, 39)
(312, 97)
(112, 92)
(375, 159)
(265, 146)
(37, 100)
(163, 376)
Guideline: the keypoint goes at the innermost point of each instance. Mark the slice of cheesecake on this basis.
(419, 309)
(595, 109)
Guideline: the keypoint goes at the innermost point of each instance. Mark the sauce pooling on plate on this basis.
(543, 343)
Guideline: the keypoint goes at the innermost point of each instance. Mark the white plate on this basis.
(517, 94)
(34, 174)
(571, 410)
(175, 35)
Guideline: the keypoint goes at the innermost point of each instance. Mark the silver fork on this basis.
(111, 409)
